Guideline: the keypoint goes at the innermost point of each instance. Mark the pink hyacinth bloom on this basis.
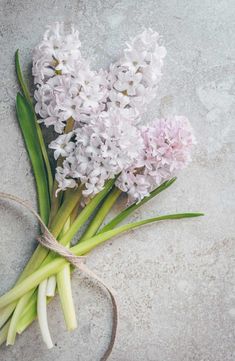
(167, 149)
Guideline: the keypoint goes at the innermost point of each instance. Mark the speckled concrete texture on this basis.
(175, 281)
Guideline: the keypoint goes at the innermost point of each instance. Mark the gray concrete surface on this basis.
(175, 281)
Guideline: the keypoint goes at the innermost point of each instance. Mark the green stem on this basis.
(70, 202)
(71, 199)
(11, 335)
(80, 249)
(55, 202)
(114, 222)
(29, 314)
(124, 214)
(40, 254)
(6, 313)
(51, 285)
(101, 214)
(81, 219)
(3, 333)
(63, 279)
(86, 213)
(30, 311)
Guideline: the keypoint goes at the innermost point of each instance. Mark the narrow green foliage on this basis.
(87, 212)
(20, 77)
(126, 212)
(30, 311)
(27, 124)
(38, 129)
(72, 198)
(101, 214)
(65, 240)
(80, 249)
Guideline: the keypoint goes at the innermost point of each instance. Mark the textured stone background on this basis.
(175, 281)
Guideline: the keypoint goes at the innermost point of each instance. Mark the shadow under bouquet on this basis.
(101, 151)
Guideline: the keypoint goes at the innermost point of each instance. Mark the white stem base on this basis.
(51, 286)
(42, 314)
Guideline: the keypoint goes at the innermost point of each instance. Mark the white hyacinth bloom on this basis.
(66, 87)
(59, 52)
(137, 74)
(102, 150)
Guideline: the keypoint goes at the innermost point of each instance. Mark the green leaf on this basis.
(38, 129)
(124, 214)
(20, 77)
(30, 311)
(104, 209)
(26, 120)
(87, 212)
(80, 249)
(104, 236)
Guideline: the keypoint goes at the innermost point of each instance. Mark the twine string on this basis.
(47, 240)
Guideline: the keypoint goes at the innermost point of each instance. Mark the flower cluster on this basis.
(105, 109)
(58, 53)
(167, 148)
(99, 151)
(66, 86)
(134, 78)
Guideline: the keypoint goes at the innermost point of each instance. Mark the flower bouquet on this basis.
(101, 151)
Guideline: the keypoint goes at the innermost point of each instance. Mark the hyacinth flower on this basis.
(167, 149)
(134, 78)
(101, 150)
(66, 87)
